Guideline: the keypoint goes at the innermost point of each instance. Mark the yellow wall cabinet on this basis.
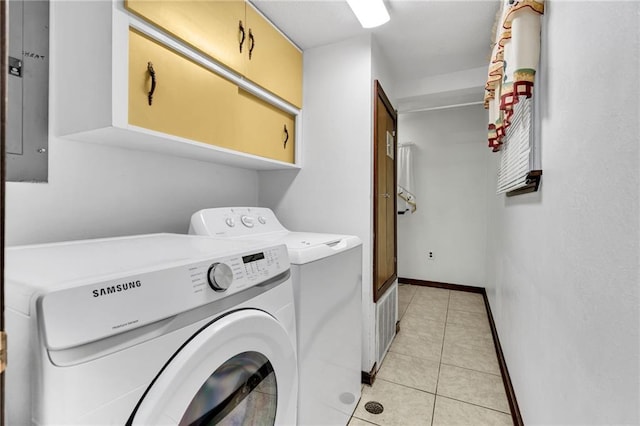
(213, 27)
(235, 34)
(123, 82)
(265, 130)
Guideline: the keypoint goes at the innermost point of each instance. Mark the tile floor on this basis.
(441, 368)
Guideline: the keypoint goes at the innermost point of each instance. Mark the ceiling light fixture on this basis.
(370, 13)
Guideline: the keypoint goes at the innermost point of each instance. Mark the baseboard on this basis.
(458, 287)
(504, 371)
(370, 377)
(506, 379)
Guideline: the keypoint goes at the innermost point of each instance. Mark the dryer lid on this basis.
(306, 247)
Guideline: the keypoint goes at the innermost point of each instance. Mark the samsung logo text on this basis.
(116, 288)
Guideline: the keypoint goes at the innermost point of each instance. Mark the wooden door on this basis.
(189, 100)
(214, 27)
(274, 62)
(384, 186)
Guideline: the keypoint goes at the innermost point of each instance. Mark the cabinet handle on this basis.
(252, 43)
(152, 73)
(286, 136)
(242, 35)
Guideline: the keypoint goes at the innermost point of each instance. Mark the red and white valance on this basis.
(513, 64)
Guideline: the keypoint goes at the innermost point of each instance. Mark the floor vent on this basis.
(386, 316)
(374, 407)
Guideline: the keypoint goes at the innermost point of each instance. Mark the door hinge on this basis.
(3, 351)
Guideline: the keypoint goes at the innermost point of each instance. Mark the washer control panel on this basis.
(235, 273)
(115, 305)
(235, 222)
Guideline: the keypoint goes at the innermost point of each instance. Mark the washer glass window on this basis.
(242, 391)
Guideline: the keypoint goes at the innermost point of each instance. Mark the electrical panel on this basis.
(27, 137)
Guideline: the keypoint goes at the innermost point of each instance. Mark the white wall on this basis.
(450, 179)
(332, 193)
(563, 278)
(381, 71)
(454, 81)
(98, 191)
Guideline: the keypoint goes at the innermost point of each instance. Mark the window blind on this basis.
(516, 159)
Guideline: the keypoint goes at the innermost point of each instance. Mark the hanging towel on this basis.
(407, 200)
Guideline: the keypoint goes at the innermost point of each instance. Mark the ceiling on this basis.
(423, 38)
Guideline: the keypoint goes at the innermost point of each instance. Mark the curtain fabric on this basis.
(514, 60)
(407, 200)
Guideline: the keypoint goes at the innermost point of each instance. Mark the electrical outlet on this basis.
(430, 256)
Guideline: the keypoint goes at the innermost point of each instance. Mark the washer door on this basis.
(239, 369)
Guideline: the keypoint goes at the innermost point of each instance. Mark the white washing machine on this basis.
(150, 330)
(327, 282)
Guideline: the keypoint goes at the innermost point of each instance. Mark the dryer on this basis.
(327, 283)
(150, 330)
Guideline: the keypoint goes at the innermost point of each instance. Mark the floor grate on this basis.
(374, 407)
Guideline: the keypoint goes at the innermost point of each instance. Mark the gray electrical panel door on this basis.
(28, 91)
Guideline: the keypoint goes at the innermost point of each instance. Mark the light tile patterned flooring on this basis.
(441, 368)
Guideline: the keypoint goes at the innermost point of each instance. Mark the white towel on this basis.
(407, 199)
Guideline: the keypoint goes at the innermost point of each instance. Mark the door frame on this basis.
(3, 125)
(379, 93)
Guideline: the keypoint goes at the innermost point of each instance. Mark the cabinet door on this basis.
(265, 130)
(211, 26)
(189, 101)
(274, 63)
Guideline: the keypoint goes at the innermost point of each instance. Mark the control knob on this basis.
(220, 276)
(247, 221)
